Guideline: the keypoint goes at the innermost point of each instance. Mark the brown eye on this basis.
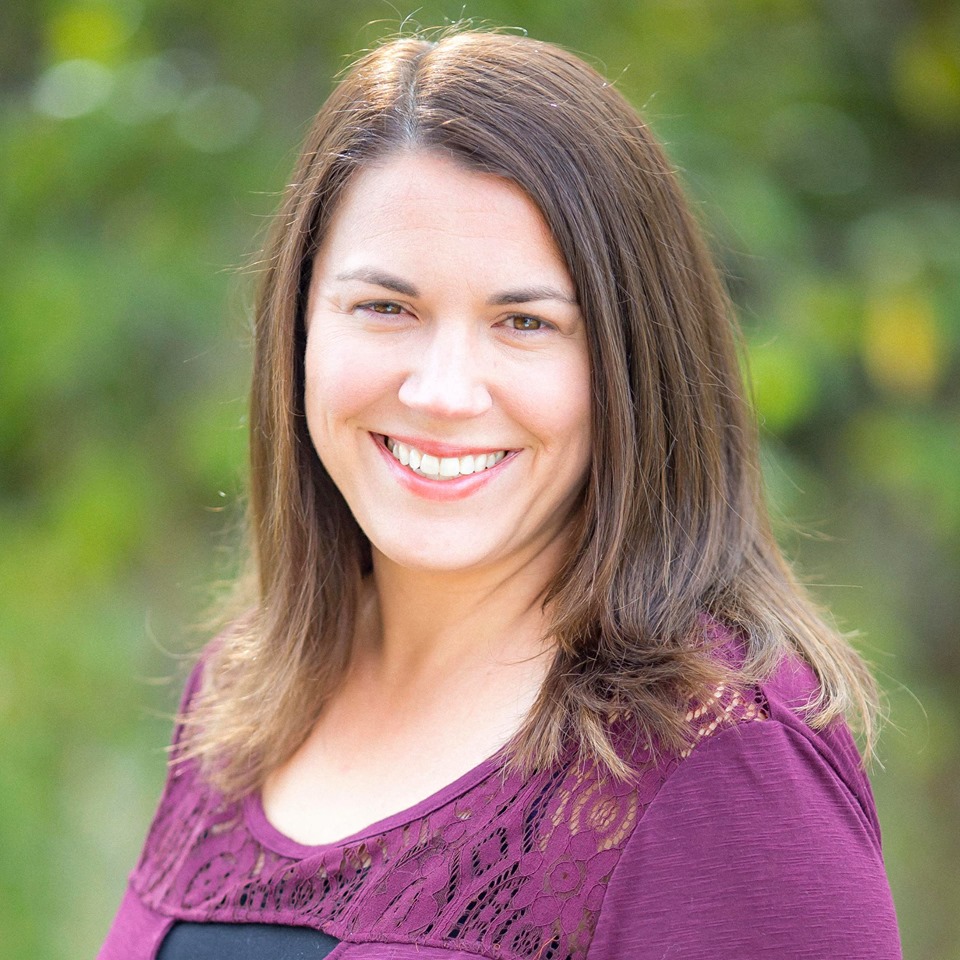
(520, 322)
(384, 306)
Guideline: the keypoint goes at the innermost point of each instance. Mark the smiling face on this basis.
(447, 369)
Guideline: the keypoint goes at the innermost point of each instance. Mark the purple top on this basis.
(761, 842)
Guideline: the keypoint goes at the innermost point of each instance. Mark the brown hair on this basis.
(673, 526)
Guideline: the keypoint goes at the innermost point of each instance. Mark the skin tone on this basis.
(448, 396)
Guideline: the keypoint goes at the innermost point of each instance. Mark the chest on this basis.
(361, 766)
(495, 865)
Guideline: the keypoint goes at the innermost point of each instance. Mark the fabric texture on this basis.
(761, 842)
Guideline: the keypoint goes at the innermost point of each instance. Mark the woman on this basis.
(522, 672)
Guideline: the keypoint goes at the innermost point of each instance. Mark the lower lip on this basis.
(442, 490)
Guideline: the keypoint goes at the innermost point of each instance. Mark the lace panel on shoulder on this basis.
(727, 706)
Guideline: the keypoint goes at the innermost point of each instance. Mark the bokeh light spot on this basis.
(886, 249)
(902, 346)
(145, 90)
(91, 31)
(926, 76)
(217, 118)
(784, 383)
(72, 89)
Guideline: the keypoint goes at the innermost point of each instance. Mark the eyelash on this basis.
(395, 309)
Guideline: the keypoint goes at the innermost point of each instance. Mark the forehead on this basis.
(423, 210)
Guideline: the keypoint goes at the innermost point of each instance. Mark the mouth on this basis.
(434, 467)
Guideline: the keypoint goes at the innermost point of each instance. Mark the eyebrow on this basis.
(521, 295)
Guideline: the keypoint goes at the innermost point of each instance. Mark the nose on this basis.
(447, 379)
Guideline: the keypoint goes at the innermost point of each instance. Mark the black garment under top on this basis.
(243, 941)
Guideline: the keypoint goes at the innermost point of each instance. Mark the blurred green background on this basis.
(142, 147)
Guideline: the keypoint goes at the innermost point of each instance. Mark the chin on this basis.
(431, 558)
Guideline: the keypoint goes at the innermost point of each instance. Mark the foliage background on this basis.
(142, 146)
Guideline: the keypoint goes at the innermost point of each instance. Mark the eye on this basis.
(385, 307)
(523, 323)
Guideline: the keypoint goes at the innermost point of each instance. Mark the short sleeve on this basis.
(754, 848)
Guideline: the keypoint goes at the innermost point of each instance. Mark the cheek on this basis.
(555, 405)
(341, 383)
(571, 399)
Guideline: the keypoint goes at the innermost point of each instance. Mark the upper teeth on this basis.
(442, 468)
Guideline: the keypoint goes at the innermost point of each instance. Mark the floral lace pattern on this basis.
(511, 867)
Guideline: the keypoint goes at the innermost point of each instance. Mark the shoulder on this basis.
(209, 664)
(753, 746)
(191, 690)
(185, 799)
(195, 677)
(778, 707)
(765, 835)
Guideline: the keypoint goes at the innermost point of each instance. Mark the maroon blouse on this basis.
(761, 842)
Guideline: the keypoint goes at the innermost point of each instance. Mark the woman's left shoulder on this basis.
(786, 696)
(769, 723)
(764, 833)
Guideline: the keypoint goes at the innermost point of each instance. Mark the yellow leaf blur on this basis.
(902, 347)
(926, 74)
(86, 31)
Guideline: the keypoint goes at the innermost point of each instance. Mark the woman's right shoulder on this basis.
(197, 666)
(194, 681)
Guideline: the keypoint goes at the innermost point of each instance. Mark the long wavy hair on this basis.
(673, 526)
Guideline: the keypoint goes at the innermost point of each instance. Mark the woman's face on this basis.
(447, 371)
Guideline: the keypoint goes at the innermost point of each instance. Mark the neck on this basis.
(427, 623)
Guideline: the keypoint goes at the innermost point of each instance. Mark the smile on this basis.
(441, 468)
